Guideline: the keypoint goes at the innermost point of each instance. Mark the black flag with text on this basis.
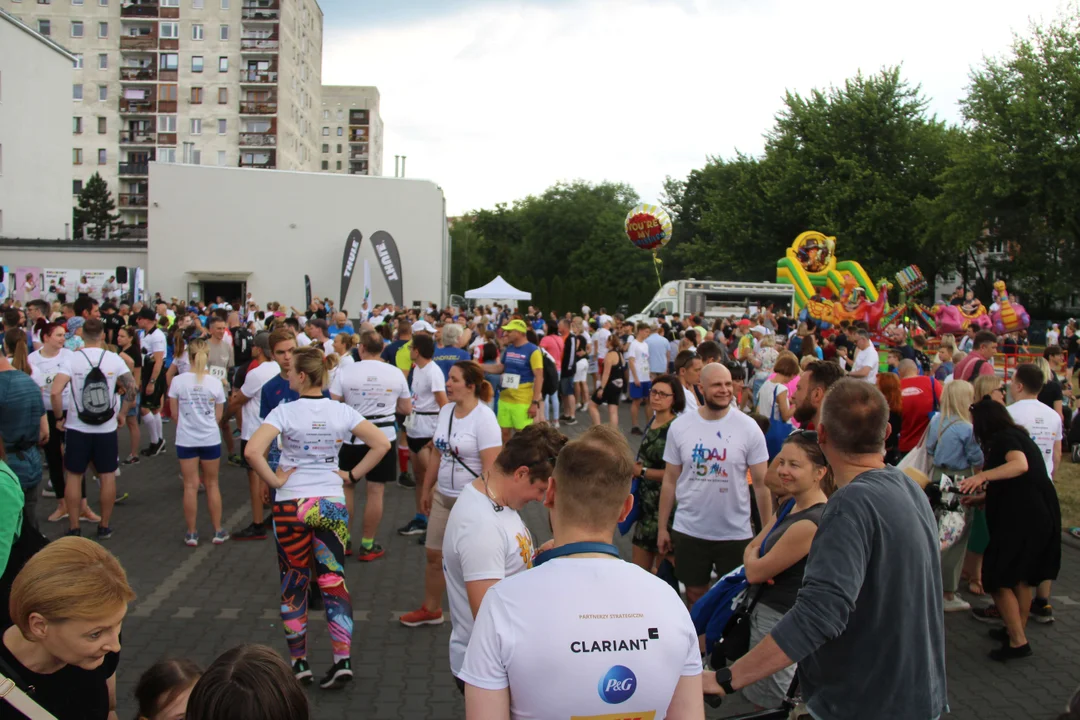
(348, 263)
(390, 261)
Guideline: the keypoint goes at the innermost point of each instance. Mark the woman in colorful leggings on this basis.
(309, 506)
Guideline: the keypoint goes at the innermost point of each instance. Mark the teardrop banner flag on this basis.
(348, 262)
(390, 261)
(307, 291)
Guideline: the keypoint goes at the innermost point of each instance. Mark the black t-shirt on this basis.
(113, 323)
(782, 325)
(70, 693)
(1051, 393)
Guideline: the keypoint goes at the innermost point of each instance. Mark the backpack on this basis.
(97, 406)
(551, 375)
(241, 341)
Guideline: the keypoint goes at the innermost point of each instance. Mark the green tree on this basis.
(94, 213)
(558, 303)
(541, 297)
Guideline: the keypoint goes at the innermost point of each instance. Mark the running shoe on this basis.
(236, 432)
(220, 536)
(104, 533)
(251, 532)
(416, 526)
(1000, 634)
(422, 540)
(59, 514)
(420, 617)
(1042, 613)
(166, 419)
(569, 420)
(77, 532)
(348, 548)
(405, 480)
(957, 604)
(372, 553)
(131, 460)
(338, 676)
(235, 459)
(191, 539)
(987, 614)
(89, 515)
(1007, 652)
(159, 449)
(302, 671)
(48, 491)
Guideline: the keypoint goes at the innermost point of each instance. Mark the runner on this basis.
(377, 391)
(428, 396)
(522, 368)
(309, 506)
(396, 353)
(688, 367)
(197, 399)
(486, 540)
(153, 379)
(90, 431)
(316, 329)
(572, 637)
(468, 438)
(450, 351)
(638, 374)
(611, 386)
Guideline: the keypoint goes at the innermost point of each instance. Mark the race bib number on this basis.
(218, 372)
(510, 381)
(49, 377)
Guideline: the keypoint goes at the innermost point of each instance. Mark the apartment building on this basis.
(351, 128)
(205, 82)
(35, 82)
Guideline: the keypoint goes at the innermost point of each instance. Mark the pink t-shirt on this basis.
(554, 344)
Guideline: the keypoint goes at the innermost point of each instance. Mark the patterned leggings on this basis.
(318, 525)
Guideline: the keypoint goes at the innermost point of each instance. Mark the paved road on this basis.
(196, 603)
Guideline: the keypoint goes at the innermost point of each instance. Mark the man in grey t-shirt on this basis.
(884, 655)
(220, 364)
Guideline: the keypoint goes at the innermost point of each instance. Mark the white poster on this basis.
(66, 291)
(97, 278)
(140, 289)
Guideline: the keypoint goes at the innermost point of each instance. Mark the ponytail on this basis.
(199, 353)
(311, 361)
(473, 375)
(15, 348)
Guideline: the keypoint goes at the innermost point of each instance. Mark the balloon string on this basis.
(658, 264)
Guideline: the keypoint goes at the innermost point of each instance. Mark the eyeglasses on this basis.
(656, 393)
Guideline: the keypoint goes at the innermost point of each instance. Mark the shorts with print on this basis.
(695, 558)
(640, 391)
(207, 453)
(81, 449)
(648, 522)
(436, 524)
(384, 471)
(514, 416)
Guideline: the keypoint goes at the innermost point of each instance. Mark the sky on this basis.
(499, 99)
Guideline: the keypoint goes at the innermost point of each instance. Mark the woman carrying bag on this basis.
(775, 403)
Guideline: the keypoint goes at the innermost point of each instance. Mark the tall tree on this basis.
(94, 213)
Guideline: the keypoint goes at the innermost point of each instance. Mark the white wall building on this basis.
(35, 133)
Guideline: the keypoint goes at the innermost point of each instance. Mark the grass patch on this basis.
(1068, 489)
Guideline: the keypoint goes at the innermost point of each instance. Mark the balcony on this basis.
(258, 107)
(168, 76)
(132, 200)
(166, 106)
(138, 74)
(258, 76)
(138, 137)
(133, 232)
(260, 14)
(166, 138)
(358, 135)
(358, 117)
(258, 164)
(139, 42)
(137, 107)
(258, 139)
(259, 44)
(136, 169)
(139, 8)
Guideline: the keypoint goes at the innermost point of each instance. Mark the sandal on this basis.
(975, 587)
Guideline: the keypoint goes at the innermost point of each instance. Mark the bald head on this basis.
(717, 387)
(907, 368)
(340, 319)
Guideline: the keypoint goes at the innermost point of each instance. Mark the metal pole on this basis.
(402, 166)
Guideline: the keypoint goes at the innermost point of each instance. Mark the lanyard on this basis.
(574, 549)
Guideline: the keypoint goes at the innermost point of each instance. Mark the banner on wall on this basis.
(27, 283)
(139, 289)
(386, 251)
(348, 262)
(66, 291)
(97, 278)
(4, 287)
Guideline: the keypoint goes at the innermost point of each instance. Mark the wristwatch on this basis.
(723, 679)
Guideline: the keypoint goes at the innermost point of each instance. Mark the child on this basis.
(163, 690)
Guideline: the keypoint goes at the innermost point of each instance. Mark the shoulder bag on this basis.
(13, 693)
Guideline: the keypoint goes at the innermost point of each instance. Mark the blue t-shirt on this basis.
(334, 329)
(658, 353)
(445, 357)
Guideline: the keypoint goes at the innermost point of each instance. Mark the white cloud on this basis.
(499, 101)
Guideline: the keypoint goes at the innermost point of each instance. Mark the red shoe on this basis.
(372, 553)
(423, 616)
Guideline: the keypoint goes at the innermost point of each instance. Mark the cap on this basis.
(758, 329)
(518, 325)
(147, 314)
(422, 326)
(262, 341)
(745, 322)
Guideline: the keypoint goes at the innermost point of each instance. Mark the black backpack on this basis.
(241, 341)
(97, 405)
(551, 376)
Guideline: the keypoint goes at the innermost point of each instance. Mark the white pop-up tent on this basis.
(497, 290)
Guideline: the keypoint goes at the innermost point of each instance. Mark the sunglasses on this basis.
(810, 435)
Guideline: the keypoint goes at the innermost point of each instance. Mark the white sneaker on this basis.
(957, 604)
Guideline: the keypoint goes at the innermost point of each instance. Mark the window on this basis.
(76, 187)
(325, 131)
(325, 164)
(169, 61)
(325, 114)
(224, 4)
(197, 4)
(168, 93)
(103, 61)
(76, 28)
(222, 126)
(223, 33)
(339, 148)
(166, 123)
(170, 31)
(221, 158)
(338, 164)
(76, 91)
(196, 63)
(340, 132)
(103, 3)
(196, 126)
(196, 32)
(170, 3)
(102, 156)
(78, 61)
(340, 114)
(44, 27)
(76, 156)
(196, 96)
(76, 125)
(325, 148)
(76, 2)
(191, 155)
(223, 64)
(103, 29)
(223, 96)
(102, 126)
(103, 92)
(166, 155)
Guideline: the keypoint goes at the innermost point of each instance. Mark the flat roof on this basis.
(31, 31)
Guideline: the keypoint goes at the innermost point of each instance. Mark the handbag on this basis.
(735, 641)
(918, 464)
(12, 692)
(635, 490)
(778, 429)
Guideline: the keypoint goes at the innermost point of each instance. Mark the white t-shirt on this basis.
(477, 431)
(600, 337)
(196, 399)
(769, 394)
(479, 544)
(639, 351)
(1052, 337)
(302, 340)
(712, 494)
(83, 288)
(328, 347)
(182, 363)
(867, 358)
(77, 365)
(372, 388)
(426, 381)
(346, 359)
(1042, 423)
(312, 431)
(583, 638)
(692, 403)
(252, 390)
(47, 369)
(153, 342)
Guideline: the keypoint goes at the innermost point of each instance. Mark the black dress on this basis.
(1023, 517)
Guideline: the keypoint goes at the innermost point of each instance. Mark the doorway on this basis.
(231, 292)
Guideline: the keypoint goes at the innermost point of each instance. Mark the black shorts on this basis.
(417, 444)
(152, 400)
(384, 471)
(81, 449)
(243, 457)
(400, 420)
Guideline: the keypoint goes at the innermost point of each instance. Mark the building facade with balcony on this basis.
(350, 130)
(35, 157)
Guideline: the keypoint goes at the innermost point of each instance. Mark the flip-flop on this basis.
(972, 585)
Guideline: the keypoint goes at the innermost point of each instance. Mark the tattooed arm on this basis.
(126, 385)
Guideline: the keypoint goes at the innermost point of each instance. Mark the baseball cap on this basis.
(745, 322)
(518, 325)
(147, 314)
(422, 326)
(262, 341)
(759, 329)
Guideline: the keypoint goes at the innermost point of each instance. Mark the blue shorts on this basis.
(81, 449)
(640, 392)
(209, 452)
(134, 411)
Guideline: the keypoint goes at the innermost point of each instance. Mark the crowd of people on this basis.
(789, 456)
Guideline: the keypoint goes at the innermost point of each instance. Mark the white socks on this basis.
(153, 426)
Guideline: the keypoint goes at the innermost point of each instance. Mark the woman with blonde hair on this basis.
(197, 400)
(956, 455)
(67, 605)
